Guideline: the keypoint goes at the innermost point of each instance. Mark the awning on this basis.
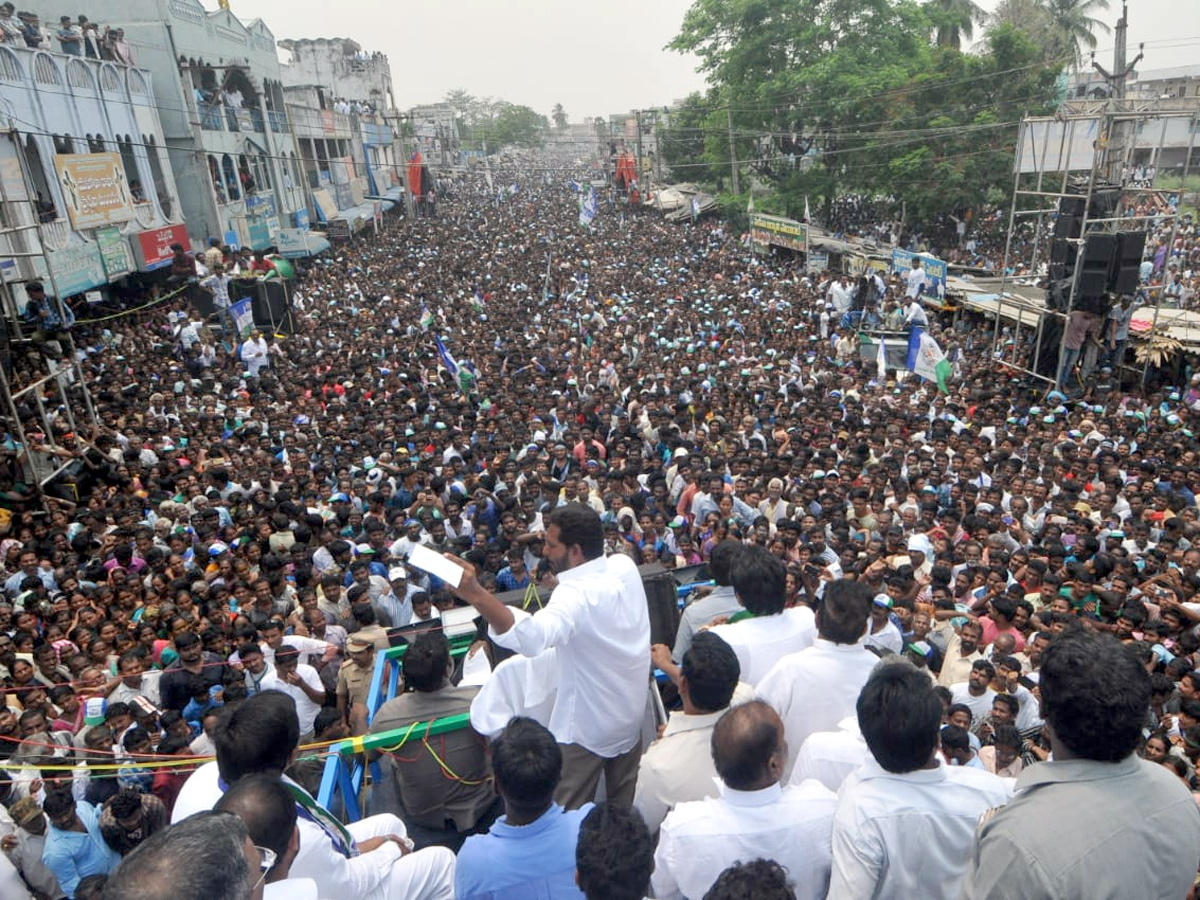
(395, 194)
(385, 201)
(357, 217)
(296, 244)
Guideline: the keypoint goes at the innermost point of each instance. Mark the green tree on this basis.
(693, 143)
(559, 115)
(824, 98)
(954, 21)
(1030, 18)
(1073, 26)
(517, 126)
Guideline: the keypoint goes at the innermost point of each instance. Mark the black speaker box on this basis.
(1098, 251)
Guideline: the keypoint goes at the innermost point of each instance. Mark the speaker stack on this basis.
(1110, 263)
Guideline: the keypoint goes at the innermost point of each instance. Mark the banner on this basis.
(114, 251)
(94, 189)
(778, 231)
(927, 360)
(76, 268)
(243, 318)
(935, 271)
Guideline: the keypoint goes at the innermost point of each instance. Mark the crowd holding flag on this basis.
(243, 318)
(927, 360)
(587, 208)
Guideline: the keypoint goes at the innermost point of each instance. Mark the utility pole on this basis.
(410, 209)
(1115, 153)
(733, 163)
(638, 114)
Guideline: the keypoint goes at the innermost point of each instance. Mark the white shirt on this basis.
(980, 706)
(763, 641)
(306, 709)
(366, 875)
(830, 756)
(925, 821)
(679, 767)
(791, 825)
(817, 688)
(914, 281)
(148, 688)
(889, 638)
(598, 620)
(519, 686)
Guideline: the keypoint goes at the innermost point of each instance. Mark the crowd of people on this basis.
(74, 37)
(924, 606)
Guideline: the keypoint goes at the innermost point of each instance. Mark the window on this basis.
(63, 144)
(80, 76)
(110, 79)
(137, 84)
(262, 172)
(154, 153)
(246, 177)
(41, 185)
(45, 70)
(129, 163)
(10, 66)
(230, 176)
(214, 172)
(95, 144)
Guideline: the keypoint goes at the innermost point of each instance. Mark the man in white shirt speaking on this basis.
(598, 622)
(754, 817)
(905, 823)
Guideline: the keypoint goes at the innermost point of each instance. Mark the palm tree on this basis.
(559, 115)
(954, 21)
(1072, 24)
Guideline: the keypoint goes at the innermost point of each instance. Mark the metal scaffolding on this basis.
(1070, 155)
(42, 385)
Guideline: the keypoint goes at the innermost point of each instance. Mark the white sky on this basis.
(594, 56)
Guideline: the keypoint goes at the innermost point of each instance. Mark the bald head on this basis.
(748, 748)
(1004, 644)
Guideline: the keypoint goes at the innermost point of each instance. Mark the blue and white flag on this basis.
(575, 186)
(695, 208)
(447, 360)
(587, 208)
(243, 318)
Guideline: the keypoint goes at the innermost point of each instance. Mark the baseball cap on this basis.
(397, 573)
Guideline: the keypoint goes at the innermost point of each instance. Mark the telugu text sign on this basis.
(94, 189)
(779, 231)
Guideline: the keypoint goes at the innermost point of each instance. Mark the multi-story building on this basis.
(219, 90)
(435, 133)
(86, 186)
(339, 101)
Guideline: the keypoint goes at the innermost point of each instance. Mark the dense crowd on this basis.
(917, 597)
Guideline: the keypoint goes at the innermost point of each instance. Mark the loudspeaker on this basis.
(1131, 245)
(1069, 223)
(1092, 285)
(1099, 303)
(272, 308)
(1099, 250)
(1062, 259)
(1125, 279)
(1104, 202)
(662, 600)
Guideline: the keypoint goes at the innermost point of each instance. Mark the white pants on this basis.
(423, 875)
(13, 887)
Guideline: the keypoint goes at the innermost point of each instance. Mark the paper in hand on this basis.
(435, 564)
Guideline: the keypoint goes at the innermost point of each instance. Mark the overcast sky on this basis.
(594, 56)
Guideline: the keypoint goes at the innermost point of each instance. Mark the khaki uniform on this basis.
(353, 682)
